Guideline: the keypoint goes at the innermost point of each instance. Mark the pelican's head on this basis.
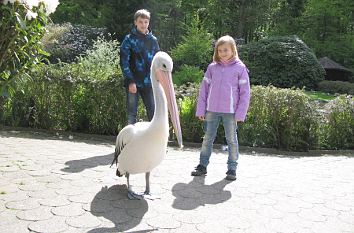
(162, 66)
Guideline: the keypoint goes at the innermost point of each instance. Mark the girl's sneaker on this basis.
(230, 175)
(199, 171)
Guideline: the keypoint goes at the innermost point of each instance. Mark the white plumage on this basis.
(142, 146)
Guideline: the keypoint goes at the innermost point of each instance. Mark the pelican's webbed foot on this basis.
(134, 196)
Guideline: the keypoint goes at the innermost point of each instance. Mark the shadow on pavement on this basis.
(194, 194)
(79, 165)
(114, 207)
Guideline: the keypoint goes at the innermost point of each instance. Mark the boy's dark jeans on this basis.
(147, 96)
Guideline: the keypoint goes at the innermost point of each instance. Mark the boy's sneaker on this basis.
(199, 171)
(231, 175)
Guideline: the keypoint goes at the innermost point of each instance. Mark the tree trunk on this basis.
(241, 20)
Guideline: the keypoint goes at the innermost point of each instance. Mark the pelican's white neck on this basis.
(161, 111)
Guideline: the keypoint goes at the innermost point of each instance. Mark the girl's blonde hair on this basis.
(225, 40)
(143, 13)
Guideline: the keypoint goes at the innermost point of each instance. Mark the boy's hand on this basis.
(201, 118)
(132, 88)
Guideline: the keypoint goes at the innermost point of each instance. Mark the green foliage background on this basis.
(282, 62)
(86, 93)
(20, 49)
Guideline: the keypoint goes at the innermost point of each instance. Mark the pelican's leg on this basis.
(147, 180)
(131, 194)
(147, 194)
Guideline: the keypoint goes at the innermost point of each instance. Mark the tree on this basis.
(116, 16)
(22, 26)
(328, 28)
(195, 48)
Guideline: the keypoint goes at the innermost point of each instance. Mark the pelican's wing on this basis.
(125, 136)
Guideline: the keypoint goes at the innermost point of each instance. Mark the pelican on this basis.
(142, 146)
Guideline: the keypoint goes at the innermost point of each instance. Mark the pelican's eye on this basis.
(164, 66)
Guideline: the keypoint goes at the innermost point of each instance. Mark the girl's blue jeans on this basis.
(147, 96)
(211, 124)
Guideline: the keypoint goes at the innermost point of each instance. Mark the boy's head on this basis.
(225, 48)
(142, 20)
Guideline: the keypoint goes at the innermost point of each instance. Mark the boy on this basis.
(136, 53)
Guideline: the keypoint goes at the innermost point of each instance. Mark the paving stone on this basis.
(2, 206)
(92, 174)
(211, 227)
(312, 215)
(10, 188)
(41, 172)
(15, 228)
(48, 179)
(32, 187)
(9, 168)
(118, 216)
(69, 191)
(73, 176)
(98, 206)
(16, 175)
(26, 204)
(86, 220)
(33, 167)
(43, 194)
(13, 196)
(130, 204)
(82, 198)
(40, 213)
(54, 202)
(189, 217)
(347, 217)
(3, 181)
(113, 193)
(84, 183)
(8, 217)
(74, 209)
(61, 185)
(165, 222)
(54, 224)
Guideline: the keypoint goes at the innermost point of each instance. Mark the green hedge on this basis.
(58, 101)
(284, 119)
(278, 118)
(336, 87)
(337, 128)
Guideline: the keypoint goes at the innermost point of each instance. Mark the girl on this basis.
(224, 94)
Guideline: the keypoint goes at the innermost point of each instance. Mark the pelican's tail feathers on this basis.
(116, 154)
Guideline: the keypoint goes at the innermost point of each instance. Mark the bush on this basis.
(282, 62)
(338, 125)
(334, 87)
(188, 74)
(276, 119)
(66, 42)
(86, 96)
(279, 118)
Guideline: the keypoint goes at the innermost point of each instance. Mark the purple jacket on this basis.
(225, 89)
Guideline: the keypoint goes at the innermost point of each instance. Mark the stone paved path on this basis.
(50, 183)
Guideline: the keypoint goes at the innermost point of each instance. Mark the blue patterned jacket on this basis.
(136, 53)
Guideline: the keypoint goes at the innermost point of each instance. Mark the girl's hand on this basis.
(201, 118)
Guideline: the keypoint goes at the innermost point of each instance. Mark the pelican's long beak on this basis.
(165, 78)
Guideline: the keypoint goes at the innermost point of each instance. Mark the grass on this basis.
(317, 95)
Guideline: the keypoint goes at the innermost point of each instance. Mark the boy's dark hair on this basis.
(143, 13)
